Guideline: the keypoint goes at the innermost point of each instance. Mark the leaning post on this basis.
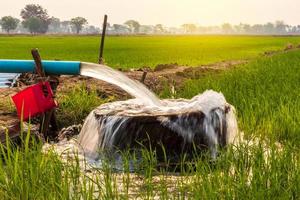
(101, 60)
(48, 118)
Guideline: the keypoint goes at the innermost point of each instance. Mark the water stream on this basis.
(117, 78)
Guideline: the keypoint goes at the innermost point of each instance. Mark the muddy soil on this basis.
(8, 117)
(156, 79)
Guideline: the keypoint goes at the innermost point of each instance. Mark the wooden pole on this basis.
(101, 60)
(38, 63)
(143, 77)
(48, 117)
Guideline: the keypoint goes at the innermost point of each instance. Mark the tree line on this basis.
(36, 20)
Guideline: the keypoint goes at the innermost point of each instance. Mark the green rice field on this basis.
(144, 51)
(265, 93)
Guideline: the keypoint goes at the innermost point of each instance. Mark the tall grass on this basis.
(243, 172)
(6, 105)
(266, 94)
(76, 104)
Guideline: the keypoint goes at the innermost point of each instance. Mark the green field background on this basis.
(144, 51)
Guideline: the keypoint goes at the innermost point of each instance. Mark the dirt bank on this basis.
(156, 79)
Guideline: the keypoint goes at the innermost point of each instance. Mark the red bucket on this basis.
(34, 100)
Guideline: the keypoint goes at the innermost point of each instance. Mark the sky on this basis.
(167, 12)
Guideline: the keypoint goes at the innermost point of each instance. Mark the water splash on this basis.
(206, 119)
(109, 75)
(110, 125)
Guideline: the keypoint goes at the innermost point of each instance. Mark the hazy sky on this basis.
(168, 12)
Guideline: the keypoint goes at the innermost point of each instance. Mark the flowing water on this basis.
(110, 125)
(109, 75)
(7, 80)
(112, 128)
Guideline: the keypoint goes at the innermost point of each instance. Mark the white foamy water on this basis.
(218, 127)
(109, 125)
(109, 75)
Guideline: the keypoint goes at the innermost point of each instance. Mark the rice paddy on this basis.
(265, 93)
(145, 51)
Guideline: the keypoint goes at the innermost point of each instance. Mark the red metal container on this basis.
(34, 100)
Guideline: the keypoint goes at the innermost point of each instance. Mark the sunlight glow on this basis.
(168, 12)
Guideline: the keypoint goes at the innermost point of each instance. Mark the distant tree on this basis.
(67, 27)
(91, 30)
(34, 24)
(227, 28)
(78, 23)
(158, 28)
(257, 29)
(20, 29)
(280, 27)
(36, 17)
(65, 23)
(9, 23)
(54, 25)
(133, 25)
(117, 27)
(146, 29)
(189, 28)
(108, 25)
(292, 29)
(239, 28)
(269, 28)
(247, 28)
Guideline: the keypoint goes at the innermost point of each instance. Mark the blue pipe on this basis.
(50, 67)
